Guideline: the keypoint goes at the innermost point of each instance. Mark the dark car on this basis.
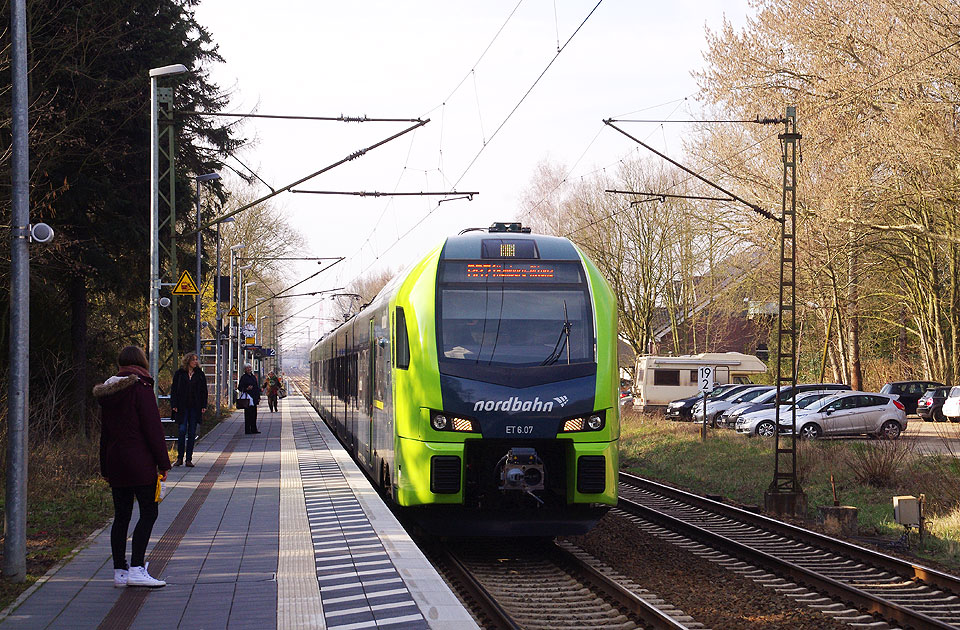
(682, 409)
(930, 405)
(909, 392)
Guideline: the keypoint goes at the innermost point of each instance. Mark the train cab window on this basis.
(519, 315)
(666, 377)
(403, 342)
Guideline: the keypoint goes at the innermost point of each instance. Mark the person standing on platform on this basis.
(188, 401)
(272, 385)
(133, 455)
(250, 386)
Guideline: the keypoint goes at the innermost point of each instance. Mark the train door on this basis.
(371, 392)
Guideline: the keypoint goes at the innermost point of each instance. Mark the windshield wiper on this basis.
(562, 341)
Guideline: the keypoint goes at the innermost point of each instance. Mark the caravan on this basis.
(659, 380)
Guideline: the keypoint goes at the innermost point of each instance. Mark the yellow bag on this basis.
(161, 490)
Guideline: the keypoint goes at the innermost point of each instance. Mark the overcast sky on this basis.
(444, 60)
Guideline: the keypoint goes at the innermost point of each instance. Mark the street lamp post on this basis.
(240, 269)
(246, 294)
(209, 177)
(218, 380)
(153, 343)
(234, 299)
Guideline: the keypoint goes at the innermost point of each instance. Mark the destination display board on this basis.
(520, 272)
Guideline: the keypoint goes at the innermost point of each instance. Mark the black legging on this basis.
(122, 511)
(250, 419)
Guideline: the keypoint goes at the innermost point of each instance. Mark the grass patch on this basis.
(741, 468)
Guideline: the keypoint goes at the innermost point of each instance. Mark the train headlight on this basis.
(441, 421)
(593, 422)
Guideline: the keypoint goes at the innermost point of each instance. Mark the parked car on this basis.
(930, 405)
(681, 409)
(851, 413)
(761, 422)
(767, 401)
(951, 406)
(909, 392)
(717, 406)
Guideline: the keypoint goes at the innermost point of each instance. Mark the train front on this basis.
(525, 440)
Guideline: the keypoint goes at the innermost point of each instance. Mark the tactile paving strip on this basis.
(359, 585)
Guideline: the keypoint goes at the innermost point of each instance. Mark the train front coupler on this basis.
(521, 470)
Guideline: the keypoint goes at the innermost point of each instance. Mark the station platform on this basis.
(277, 530)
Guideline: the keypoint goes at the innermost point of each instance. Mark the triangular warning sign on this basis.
(250, 319)
(186, 285)
(233, 312)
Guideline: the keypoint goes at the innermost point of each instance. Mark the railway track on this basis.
(514, 584)
(877, 584)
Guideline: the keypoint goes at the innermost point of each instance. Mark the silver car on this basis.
(851, 413)
(761, 422)
(718, 405)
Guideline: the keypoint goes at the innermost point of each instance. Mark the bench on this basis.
(167, 421)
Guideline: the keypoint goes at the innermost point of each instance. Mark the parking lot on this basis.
(934, 437)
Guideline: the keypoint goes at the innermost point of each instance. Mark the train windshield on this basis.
(514, 314)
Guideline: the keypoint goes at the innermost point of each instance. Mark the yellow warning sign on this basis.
(233, 312)
(186, 285)
(250, 319)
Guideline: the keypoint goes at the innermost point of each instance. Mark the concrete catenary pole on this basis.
(15, 512)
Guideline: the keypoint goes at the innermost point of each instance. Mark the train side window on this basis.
(403, 342)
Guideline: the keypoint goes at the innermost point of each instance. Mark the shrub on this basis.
(879, 463)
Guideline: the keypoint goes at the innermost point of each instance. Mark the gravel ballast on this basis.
(718, 598)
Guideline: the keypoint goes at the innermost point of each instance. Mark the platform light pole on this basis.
(234, 300)
(208, 177)
(218, 379)
(15, 514)
(246, 294)
(153, 343)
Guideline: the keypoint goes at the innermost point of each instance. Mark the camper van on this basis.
(659, 380)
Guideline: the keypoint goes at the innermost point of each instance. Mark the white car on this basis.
(951, 406)
(851, 413)
(717, 406)
(761, 422)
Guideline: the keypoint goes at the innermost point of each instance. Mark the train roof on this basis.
(479, 245)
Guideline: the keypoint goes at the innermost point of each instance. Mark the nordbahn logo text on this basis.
(514, 404)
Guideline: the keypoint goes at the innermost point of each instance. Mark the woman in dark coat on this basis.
(133, 454)
(251, 386)
(188, 401)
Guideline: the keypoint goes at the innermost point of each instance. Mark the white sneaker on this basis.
(120, 577)
(139, 577)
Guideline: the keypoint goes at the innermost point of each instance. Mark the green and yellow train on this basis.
(479, 389)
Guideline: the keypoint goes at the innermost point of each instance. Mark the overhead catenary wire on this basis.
(817, 112)
(274, 193)
(755, 207)
(489, 140)
(293, 117)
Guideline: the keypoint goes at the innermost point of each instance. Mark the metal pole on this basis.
(233, 295)
(153, 344)
(199, 245)
(219, 321)
(15, 512)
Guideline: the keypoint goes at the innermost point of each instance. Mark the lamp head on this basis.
(236, 247)
(177, 68)
(209, 177)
